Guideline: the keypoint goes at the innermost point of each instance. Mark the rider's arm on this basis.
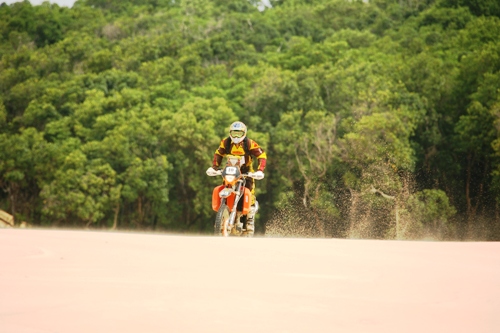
(259, 153)
(218, 155)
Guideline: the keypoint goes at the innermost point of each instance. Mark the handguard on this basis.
(212, 172)
(258, 175)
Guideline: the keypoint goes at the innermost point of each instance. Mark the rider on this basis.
(238, 144)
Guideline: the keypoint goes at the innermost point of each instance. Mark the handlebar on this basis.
(212, 173)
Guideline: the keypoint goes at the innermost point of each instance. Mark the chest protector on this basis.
(246, 144)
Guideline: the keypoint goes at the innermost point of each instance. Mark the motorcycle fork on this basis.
(237, 198)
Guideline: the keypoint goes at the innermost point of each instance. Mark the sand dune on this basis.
(92, 282)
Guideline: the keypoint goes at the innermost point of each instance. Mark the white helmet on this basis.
(237, 131)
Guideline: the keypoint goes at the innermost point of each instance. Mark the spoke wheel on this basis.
(221, 221)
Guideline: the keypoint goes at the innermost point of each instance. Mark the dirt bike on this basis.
(226, 197)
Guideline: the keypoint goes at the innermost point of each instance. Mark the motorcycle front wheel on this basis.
(221, 221)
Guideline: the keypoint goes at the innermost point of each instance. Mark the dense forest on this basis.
(380, 118)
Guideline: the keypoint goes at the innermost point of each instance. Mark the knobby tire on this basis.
(222, 214)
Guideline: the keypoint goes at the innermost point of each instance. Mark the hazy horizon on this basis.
(67, 3)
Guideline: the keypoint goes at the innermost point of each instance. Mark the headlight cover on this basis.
(230, 178)
(225, 192)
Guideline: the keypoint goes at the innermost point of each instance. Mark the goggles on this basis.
(237, 134)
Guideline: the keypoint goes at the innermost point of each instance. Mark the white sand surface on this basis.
(62, 281)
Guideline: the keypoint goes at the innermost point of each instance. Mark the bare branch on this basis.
(386, 196)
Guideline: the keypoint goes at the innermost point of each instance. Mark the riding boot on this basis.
(250, 225)
(240, 222)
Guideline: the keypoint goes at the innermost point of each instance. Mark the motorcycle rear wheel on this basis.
(221, 220)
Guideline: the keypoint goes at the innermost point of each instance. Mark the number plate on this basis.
(231, 171)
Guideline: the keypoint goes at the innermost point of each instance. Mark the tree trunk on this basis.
(480, 193)
(319, 221)
(352, 210)
(139, 209)
(12, 198)
(115, 219)
(399, 233)
(467, 190)
(306, 192)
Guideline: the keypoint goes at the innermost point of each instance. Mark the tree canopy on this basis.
(380, 118)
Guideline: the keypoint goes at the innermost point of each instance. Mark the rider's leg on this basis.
(250, 220)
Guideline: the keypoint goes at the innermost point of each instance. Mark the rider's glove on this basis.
(258, 175)
(212, 172)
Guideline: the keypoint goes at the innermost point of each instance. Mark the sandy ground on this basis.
(81, 281)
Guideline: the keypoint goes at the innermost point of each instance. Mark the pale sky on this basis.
(67, 3)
